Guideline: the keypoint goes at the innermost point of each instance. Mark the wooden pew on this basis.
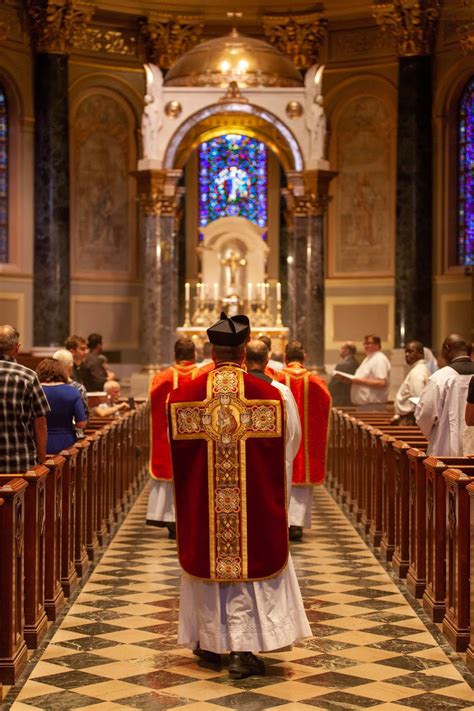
(416, 575)
(13, 650)
(470, 649)
(53, 591)
(81, 559)
(68, 521)
(456, 622)
(434, 597)
(35, 620)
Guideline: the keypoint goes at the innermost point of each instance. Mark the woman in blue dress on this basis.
(67, 409)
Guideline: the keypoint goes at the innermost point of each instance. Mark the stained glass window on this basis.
(466, 176)
(233, 179)
(3, 177)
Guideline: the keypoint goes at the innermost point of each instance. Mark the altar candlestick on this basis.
(264, 291)
(249, 292)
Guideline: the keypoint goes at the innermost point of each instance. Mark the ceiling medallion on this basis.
(294, 109)
(173, 109)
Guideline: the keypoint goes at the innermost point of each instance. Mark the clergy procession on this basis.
(248, 459)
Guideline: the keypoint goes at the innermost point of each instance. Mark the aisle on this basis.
(116, 649)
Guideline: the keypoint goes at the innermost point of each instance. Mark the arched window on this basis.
(466, 176)
(233, 179)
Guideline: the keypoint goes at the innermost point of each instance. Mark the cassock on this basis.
(239, 590)
(314, 403)
(160, 501)
(440, 411)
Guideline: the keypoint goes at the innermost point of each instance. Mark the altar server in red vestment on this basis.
(314, 404)
(232, 447)
(160, 503)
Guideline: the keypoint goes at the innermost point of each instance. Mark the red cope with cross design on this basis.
(227, 435)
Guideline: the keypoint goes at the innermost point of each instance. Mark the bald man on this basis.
(440, 411)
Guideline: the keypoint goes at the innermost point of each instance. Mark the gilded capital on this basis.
(56, 24)
(299, 36)
(412, 23)
(167, 37)
(158, 192)
(464, 24)
(308, 192)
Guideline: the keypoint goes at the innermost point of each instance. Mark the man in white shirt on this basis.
(440, 412)
(412, 386)
(371, 380)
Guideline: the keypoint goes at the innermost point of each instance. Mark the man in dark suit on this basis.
(341, 390)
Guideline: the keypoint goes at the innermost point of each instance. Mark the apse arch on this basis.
(268, 128)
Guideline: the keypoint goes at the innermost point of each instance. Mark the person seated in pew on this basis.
(113, 406)
(67, 409)
(412, 386)
(440, 413)
(23, 409)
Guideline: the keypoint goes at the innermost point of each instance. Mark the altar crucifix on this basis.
(232, 263)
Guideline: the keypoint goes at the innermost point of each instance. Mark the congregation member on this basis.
(314, 403)
(113, 406)
(431, 362)
(412, 386)
(341, 389)
(78, 348)
(274, 366)
(23, 409)
(206, 354)
(161, 511)
(67, 411)
(66, 358)
(440, 413)
(371, 381)
(229, 441)
(92, 369)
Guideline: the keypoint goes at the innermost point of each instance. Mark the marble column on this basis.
(158, 196)
(414, 202)
(51, 243)
(308, 201)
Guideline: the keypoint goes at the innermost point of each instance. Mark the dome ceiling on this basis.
(234, 57)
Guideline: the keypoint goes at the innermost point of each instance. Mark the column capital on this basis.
(167, 36)
(299, 36)
(158, 192)
(56, 24)
(308, 191)
(412, 23)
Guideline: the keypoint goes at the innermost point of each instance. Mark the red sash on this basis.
(227, 432)
(314, 405)
(161, 386)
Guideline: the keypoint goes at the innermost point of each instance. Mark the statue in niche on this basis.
(233, 262)
(152, 117)
(315, 114)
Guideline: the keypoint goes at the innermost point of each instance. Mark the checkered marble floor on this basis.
(116, 648)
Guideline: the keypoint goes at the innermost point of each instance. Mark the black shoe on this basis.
(295, 533)
(171, 531)
(206, 656)
(152, 522)
(243, 664)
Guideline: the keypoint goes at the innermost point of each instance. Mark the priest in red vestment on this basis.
(160, 503)
(314, 404)
(230, 438)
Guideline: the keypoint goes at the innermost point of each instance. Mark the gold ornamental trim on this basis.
(167, 37)
(158, 193)
(298, 36)
(412, 24)
(57, 25)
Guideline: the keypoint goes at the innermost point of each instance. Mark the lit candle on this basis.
(249, 292)
(264, 291)
(278, 292)
(216, 292)
(187, 292)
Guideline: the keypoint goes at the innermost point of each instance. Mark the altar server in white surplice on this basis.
(440, 411)
(247, 616)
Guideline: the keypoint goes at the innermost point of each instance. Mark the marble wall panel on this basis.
(12, 311)
(103, 206)
(115, 317)
(363, 212)
(351, 318)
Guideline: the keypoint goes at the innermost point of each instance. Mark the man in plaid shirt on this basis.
(23, 408)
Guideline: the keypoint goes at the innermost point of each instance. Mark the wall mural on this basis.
(101, 224)
(365, 188)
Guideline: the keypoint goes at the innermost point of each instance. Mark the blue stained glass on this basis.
(3, 177)
(466, 176)
(233, 179)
